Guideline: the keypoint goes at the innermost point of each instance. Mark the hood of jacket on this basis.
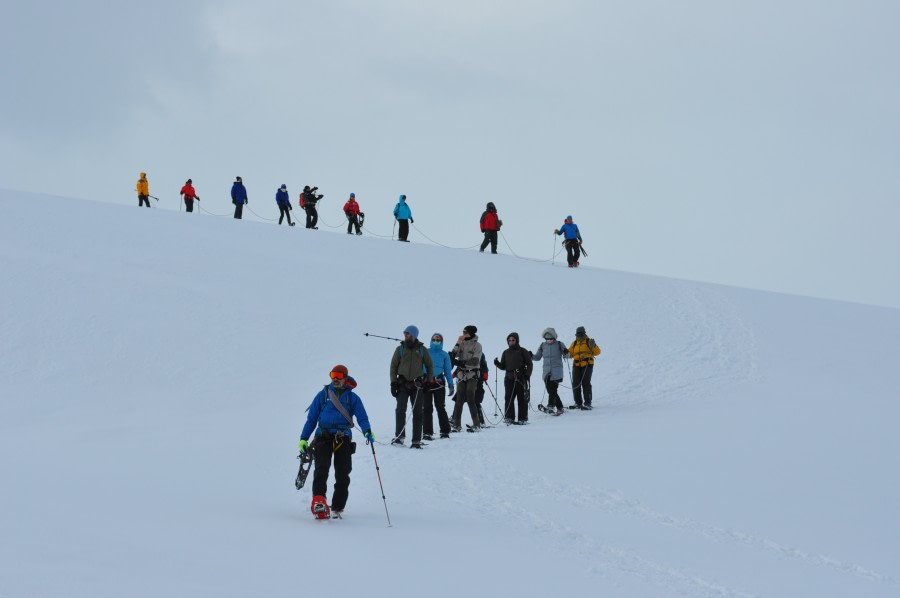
(549, 331)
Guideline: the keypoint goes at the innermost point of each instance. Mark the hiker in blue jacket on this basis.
(404, 216)
(333, 437)
(435, 391)
(572, 236)
(284, 204)
(238, 197)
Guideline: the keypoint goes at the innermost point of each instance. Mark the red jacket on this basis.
(188, 191)
(351, 208)
(489, 221)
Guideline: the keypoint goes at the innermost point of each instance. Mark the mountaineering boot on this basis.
(397, 441)
(416, 445)
(319, 507)
(428, 437)
(445, 435)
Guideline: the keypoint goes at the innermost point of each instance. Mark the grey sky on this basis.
(746, 143)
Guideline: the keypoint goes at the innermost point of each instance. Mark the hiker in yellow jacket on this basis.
(582, 351)
(143, 190)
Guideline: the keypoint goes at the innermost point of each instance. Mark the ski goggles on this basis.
(337, 375)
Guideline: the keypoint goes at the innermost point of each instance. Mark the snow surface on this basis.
(155, 368)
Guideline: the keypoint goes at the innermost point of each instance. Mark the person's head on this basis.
(569, 218)
(491, 207)
(469, 331)
(189, 181)
(580, 332)
(353, 196)
(512, 339)
(143, 175)
(306, 187)
(410, 332)
(402, 198)
(238, 180)
(339, 375)
(283, 187)
(437, 341)
(549, 335)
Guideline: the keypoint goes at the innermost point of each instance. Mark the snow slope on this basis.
(155, 368)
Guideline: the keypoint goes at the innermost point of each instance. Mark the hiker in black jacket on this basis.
(517, 363)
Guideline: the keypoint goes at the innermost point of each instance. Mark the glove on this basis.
(484, 376)
(496, 362)
(290, 208)
(370, 435)
(303, 446)
(452, 390)
(411, 221)
(555, 231)
(395, 389)
(197, 198)
(565, 352)
(579, 241)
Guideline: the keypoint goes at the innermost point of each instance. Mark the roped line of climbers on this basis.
(489, 223)
(421, 379)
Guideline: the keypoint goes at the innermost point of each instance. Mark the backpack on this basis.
(302, 202)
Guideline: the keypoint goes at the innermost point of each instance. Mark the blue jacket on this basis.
(238, 193)
(570, 230)
(282, 198)
(323, 412)
(402, 211)
(441, 360)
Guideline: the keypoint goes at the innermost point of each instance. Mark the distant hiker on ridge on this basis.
(143, 190)
(490, 224)
(351, 211)
(238, 197)
(404, 216)
(572, 241)
(189, 195)
(309, 199)
(283, 199)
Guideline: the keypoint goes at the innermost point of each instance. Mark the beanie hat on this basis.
(412, 330)
(470, 329)
(580, 331)
(569, 217)
(283, 186)
(352, 195)
(340, 369)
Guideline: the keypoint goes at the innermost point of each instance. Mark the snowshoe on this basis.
(520, 422)
(428, 437)
(473, 428)
(397, 441)
(319, 508)
(337, 514)
(306, 461)
(445, 435)
(416, 445)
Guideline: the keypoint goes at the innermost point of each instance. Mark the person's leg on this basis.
(493, 241)
(416, 394)
(322, 457)
(577, 383)
(343, 465)
(509, 411)
(586, 384)
(400, 412)
(428, 411)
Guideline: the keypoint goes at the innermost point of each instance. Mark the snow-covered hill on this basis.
(155, 368)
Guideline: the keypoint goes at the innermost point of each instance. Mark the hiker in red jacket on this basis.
(351, 209)
(189, 196)
(490, 224)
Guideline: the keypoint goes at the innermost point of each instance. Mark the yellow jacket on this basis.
(143, 188)
(583, 351)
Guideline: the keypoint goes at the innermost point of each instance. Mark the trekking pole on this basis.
(583, 252)
(378, 471)
(390, 338)
(393, 228)
(156, 198)
(496, 404)
(553, 259)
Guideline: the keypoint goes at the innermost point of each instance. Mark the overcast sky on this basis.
(747, 143)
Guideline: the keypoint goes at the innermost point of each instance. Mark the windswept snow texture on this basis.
(155, 368)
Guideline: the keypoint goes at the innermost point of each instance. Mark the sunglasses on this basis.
(337, 375)
(510, 340)
(548, 338)
(437, 339)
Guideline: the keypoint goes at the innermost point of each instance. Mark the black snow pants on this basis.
(409, 392)
(342, 449)
(581, 382)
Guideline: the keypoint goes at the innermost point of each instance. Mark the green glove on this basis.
(303, 446)
(555, 231)
(370, 435)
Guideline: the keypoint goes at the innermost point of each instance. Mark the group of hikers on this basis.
(490, 222)
(421, 379)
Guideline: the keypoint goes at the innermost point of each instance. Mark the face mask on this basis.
(437, 345)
